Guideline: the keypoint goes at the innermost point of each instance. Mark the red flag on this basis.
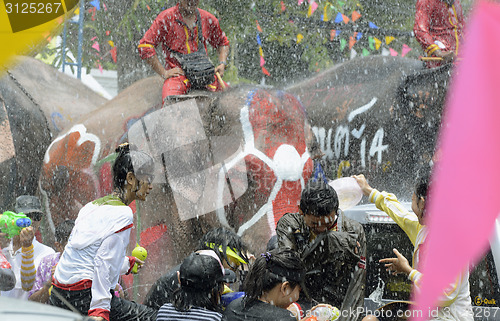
(264, 70)
(464, 199)
(355, 15)
(352, 40)
(113, 53)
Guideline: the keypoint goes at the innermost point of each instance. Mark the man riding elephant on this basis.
(178, 30)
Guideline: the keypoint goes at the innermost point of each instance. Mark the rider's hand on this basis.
(220, 69)
(447, 56)
(174, 72)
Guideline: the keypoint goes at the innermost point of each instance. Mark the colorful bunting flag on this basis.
(264, 70)
(371, 43)
(111, 43)
(259, 42)
(405, 50)
(299, 38)
(300, 2)
(352, 41)
(96, 46)
(475, 84)
(393, 52)
(96, 4)
(388, 39)
(355, 15)
(359, 35)
(372, 25)
(332, 34)
(377, 43)
(325, 15)
(113, 53)
(365, 52)
(343, 43)
(339, 18)
(100, 68)
(354, 53)
(345, 18)
(262, 61)
(283, 8)
(258, 26)
(312, 7)
(261, 53)
(385, 52)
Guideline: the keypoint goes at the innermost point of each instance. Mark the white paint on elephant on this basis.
(361, 109)
(287, 165)
(84, 136)
(342, 138)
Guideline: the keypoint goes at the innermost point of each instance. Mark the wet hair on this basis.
(63, 231)
(200, 286)
(130, 160)
(422, 182)
(223, 237)
(271, 268)
(318, 199)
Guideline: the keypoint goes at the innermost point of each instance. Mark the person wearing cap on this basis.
(201, 279)
(332, 247)
(227, 245)
(94, 257)
(273, 283)
(24, 252)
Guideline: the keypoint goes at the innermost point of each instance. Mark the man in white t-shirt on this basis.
(24, 252)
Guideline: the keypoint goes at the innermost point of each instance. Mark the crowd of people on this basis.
(316, 261)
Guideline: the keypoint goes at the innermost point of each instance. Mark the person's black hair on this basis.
(129, 160)
(272, 268)
(422, 182)
(63, 230)
(223, 237)
(185, 298)
(318, 199)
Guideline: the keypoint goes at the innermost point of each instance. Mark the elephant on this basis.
(375, 115)
(36, 103)
(240, 158)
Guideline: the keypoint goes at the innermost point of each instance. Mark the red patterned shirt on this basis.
(169, 29)
(438, 26)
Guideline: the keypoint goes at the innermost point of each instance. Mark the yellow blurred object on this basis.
(25, 26)
(140, 253)
(227, 290)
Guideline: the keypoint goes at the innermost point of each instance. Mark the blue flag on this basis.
(339, 18)
(258, 40)
(372, 25)
(96, 4)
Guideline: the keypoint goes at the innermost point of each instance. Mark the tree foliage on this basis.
(294, 42)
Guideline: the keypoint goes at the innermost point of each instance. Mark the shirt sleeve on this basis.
(406, 220)
(43, 274)
(284, 232)
(107, 266)
(450, 293)
(421, 28)
(28, 270)
(152, 38)
(216, 37)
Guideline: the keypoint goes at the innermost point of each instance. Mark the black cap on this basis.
(28, 204)
(200, 272)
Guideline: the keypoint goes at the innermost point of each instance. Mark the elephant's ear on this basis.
(425, 90)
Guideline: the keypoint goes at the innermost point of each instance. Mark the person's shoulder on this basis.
(205, 15)
(291, 219)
